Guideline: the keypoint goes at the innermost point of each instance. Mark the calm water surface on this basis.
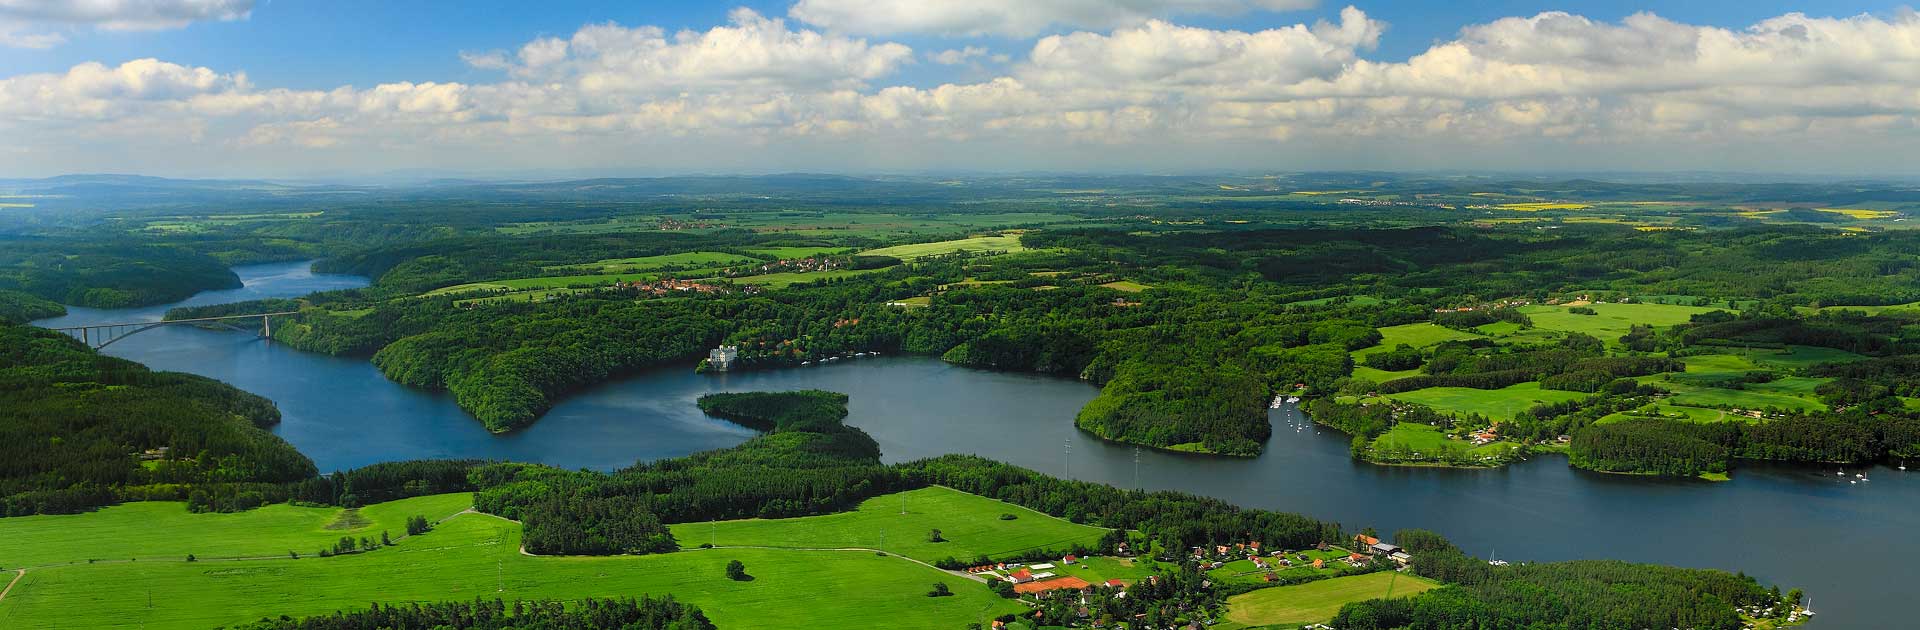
(1850, 545)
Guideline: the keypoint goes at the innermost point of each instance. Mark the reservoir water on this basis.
(1850, 545)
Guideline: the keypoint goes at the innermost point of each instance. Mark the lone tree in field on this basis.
(934, 536)
(417, 525)
(939, 590)
(736, 570)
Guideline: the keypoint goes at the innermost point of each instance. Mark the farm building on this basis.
(1057, 584)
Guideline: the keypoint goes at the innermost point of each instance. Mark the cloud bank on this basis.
(34, 23)
(1547, 90)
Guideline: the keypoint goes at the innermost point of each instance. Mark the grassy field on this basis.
(862, 224)
(165, 530)
(688, 260)
(1245, 572)
(1316, 602)
(545, 282)
(1382, 376)
(1720, 364)
(1003, 243)
(475, 555)
(1538, 206)
(1794, 357)
(1612, 320)
(1416, 335)
(535, 295)
(789, 278)
(1689, 414)
(1499, 404)
(1870, 310)
(887, 225)
(1429, 441)
(796, 252)
(1788, 393)
(970, 524)
(1128, 286)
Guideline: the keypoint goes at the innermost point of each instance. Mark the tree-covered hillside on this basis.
(79, 430)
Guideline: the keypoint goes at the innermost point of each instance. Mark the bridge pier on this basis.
(99, 336)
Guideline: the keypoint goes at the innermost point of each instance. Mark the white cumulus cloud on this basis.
(34, 23)
(758, 90)
(1016, 18)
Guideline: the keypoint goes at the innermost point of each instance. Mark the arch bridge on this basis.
(102, 335)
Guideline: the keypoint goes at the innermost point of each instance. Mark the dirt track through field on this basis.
(17, 574)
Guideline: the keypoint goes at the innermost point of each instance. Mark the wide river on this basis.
(1852, 546)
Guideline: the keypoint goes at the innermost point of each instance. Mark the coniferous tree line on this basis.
(1576, 595)
(644, 613)
(118, 272)
(79, 430)
(19, 308)
(1681, 448)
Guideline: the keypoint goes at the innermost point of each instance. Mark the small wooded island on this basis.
(1431, 327)
(807, 502)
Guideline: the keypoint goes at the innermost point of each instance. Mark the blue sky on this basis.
(301, 86)
(317, 45)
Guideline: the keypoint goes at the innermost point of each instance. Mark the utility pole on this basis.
(1066, 459)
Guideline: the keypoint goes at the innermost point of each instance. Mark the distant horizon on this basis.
(429, 175)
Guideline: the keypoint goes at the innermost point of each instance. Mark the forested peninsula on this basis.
(1189, 349)
(807, 463)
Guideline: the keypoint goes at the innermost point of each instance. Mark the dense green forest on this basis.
(79, 430)
(808, 463)
(1229, 319)
(1190, 305)
(20, 308)
(646, 613)
(1581, 594)
(88, 272)
(1424, 307)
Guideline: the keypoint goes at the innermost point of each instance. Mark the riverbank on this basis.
(343, 413)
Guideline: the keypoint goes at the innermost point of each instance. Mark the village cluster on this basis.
(1074, 578)
(669, 286)
(789, 265)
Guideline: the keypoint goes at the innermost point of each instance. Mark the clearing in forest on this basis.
(1000, 243)
(971, 526)
(1317, 602)
(1612, 320)
(1499, 404)
(166, 531)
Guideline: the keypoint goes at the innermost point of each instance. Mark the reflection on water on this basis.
(1847, 544)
